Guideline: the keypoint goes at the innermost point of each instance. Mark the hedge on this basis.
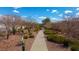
(74, 47)
(56, 38)
(49, 32)
(53, 37)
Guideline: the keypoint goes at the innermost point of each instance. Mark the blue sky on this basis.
(40, 13)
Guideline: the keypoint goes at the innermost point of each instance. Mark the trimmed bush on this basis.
(74, 44)
(53, 37)
(49, 32)
(74, 41)
(37, 28)
(56, 38)
(74, 47)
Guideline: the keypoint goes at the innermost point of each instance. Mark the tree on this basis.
(46, 21)
(68, 22)
(5, 20)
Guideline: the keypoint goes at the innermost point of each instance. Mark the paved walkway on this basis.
(39, 43)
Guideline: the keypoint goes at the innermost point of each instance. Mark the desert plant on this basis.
(13, 30)
(31, 35)
(25, 36)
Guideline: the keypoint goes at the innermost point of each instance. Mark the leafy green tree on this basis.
(46, 21)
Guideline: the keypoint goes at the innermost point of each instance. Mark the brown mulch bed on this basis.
(10, 44)
(55, 47)
(13, 43)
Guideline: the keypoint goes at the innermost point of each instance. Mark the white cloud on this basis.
(1, 15)
(16, 11)
(68, 11)
(24, 16)
(60, 15)
(77, 9)
(77, 14)
(66, 16)
(53, 18)
(53, 11)
(47, 10)
(42, 17)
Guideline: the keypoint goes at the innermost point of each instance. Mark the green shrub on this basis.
(53, 37)
(56, 38)
(74, 41)
(74, 47)
(74, 44)
(37, 28)
(47, 31)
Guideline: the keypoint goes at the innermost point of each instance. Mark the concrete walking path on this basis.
(39, 43)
